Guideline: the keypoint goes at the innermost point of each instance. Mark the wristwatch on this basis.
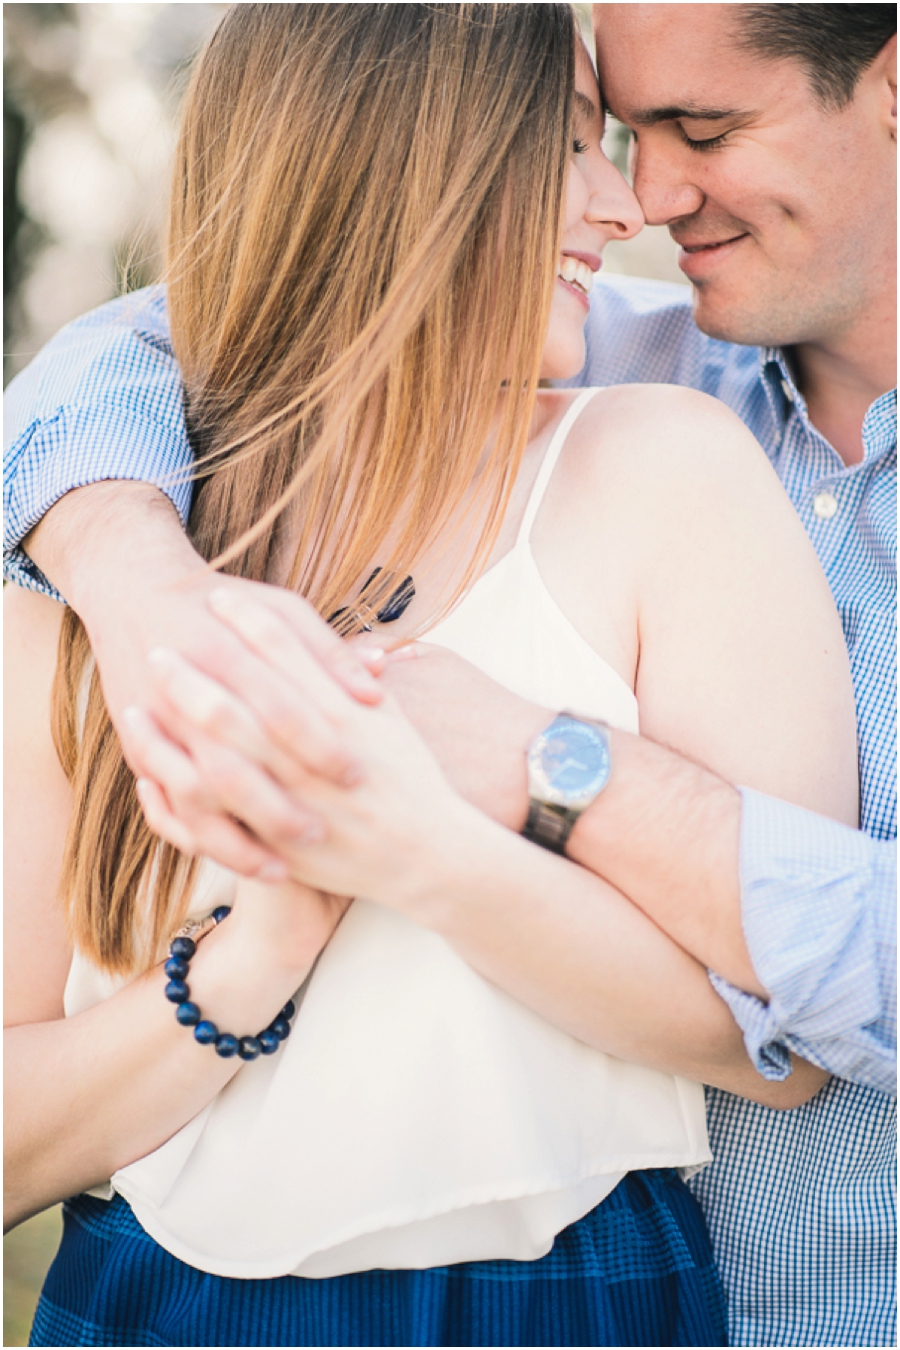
(568, 766)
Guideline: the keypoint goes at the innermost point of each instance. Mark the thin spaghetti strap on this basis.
(545, 472)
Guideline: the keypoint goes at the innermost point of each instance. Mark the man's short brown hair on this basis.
(835, 43)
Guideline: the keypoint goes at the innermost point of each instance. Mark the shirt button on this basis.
(825, 505)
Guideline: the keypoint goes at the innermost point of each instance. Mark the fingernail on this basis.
(272, 871)
(222, 601)
(372, 656)
(162, 657)
(141, 785)
(408, 653)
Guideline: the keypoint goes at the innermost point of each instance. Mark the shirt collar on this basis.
(879, 432)
(782, 394)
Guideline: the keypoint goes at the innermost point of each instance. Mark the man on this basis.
(752, 171)
(755, 127)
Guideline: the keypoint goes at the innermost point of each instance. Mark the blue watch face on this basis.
(575, 759)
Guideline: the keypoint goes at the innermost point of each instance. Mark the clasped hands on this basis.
(351, 789)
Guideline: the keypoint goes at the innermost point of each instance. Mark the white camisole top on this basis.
(417, 1116)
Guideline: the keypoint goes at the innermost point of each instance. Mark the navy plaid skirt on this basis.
(637, 1270)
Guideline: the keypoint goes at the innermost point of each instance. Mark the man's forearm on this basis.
(666, 833)
(570, 947)
(107, 534)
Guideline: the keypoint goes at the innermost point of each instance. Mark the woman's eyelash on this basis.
(709, 144)
(579, 146)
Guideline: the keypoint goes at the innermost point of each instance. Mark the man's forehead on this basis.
(657, 62)
(693, 23)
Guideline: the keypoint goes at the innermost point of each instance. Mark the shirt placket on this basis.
(821, 487)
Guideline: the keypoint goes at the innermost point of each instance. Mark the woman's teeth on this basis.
(576, 273)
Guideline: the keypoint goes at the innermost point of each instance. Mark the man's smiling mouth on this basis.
(700, 259)
(709, 245)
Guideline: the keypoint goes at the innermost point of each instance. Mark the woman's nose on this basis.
(615, 204)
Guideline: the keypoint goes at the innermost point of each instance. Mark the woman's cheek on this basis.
(565, 351)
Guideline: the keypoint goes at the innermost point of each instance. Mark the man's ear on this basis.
(887, 61)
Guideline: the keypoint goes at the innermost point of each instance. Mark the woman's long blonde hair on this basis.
(364, 235)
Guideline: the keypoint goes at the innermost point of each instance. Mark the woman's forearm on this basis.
(89, 1094)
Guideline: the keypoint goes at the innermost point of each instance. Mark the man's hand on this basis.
(118, 553)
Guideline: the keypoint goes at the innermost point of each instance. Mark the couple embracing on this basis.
(387, 976)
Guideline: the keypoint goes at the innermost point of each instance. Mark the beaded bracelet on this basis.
(181, 950)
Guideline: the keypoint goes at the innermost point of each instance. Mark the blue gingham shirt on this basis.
(799, 1203)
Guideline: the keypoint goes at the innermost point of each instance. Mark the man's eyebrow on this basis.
(584, 105)
(649, 117)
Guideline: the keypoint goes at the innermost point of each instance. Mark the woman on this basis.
(364, 390)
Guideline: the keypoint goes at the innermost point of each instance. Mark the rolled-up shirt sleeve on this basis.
(819, 917)
(102, 400)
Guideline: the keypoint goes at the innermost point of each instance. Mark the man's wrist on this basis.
(110, 534)
(514, 811)
(568, 768)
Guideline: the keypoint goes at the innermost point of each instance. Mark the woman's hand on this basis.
(206, 750)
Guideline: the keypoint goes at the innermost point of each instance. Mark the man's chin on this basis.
(729, 320)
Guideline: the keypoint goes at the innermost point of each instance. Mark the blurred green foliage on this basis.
(27, 1253)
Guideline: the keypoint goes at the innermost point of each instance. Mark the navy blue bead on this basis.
(205, 1032)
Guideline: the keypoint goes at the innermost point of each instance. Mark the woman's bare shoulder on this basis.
(662, 425)
(669, 489)
(657, 452)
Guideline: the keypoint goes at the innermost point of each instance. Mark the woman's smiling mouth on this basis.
(577, 274)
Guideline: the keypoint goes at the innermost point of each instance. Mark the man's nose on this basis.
(663, 187)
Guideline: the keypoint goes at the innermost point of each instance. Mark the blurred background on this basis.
(90, 102)
(89, 105)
